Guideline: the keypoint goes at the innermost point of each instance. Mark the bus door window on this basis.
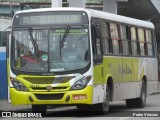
(97, 42)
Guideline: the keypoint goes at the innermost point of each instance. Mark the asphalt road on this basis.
(118, 111)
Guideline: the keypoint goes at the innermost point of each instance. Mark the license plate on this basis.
(79, 97)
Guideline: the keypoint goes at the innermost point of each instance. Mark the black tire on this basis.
(39, 109)
(130, 103)
(103, 108)
(138, 102)
(141, 101)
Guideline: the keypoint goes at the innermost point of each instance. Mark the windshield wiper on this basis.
(65, 35)
(33, 42)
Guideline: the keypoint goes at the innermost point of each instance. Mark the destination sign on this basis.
(50, 18)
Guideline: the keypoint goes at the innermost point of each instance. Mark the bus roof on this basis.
(98, 14)
(121, 19)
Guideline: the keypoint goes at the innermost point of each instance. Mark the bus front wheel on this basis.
(103, 108)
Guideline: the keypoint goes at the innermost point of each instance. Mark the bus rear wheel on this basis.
(138, 102)
(141, 101)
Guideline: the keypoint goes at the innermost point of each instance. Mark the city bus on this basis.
(80, 57)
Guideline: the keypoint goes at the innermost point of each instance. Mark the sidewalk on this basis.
(5, 106)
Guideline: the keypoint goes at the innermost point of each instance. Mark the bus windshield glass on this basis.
(55, 49)
(50, 41)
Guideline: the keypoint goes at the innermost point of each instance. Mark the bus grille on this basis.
(49, 96)
(48, 80)
(53, 88)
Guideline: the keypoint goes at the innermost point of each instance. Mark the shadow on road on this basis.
(115, 111)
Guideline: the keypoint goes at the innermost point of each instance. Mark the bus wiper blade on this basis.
(65, 36)
(33, 41)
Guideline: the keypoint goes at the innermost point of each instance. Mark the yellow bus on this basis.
(80, 57)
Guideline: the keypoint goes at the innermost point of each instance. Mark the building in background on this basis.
(94, 4)
(9, 7)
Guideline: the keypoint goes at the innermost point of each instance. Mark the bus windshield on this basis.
(50, 50)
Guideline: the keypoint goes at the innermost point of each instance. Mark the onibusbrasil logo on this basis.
(21, 115)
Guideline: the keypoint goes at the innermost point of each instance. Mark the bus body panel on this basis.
(127, 69)
(133, 70)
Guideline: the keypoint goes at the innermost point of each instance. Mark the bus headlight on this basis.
(82, 83)
(18, 86)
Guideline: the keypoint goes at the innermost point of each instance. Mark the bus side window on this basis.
(150, 44)
(115, 38)
(134, 45)
(142, 41)
(105, 38)
(125, 41)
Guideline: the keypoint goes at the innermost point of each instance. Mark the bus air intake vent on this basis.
(53, 88)
(49, 96)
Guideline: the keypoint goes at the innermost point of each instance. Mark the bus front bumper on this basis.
(74, 97)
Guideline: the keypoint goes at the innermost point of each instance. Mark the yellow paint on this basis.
(22, 98)
(111, 67)
(18, 97)
(127, 70)
(121, 69)
(135, 69)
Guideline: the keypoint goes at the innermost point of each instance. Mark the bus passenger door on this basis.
(97, 53)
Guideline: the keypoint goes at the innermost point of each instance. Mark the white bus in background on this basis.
(88, 58)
